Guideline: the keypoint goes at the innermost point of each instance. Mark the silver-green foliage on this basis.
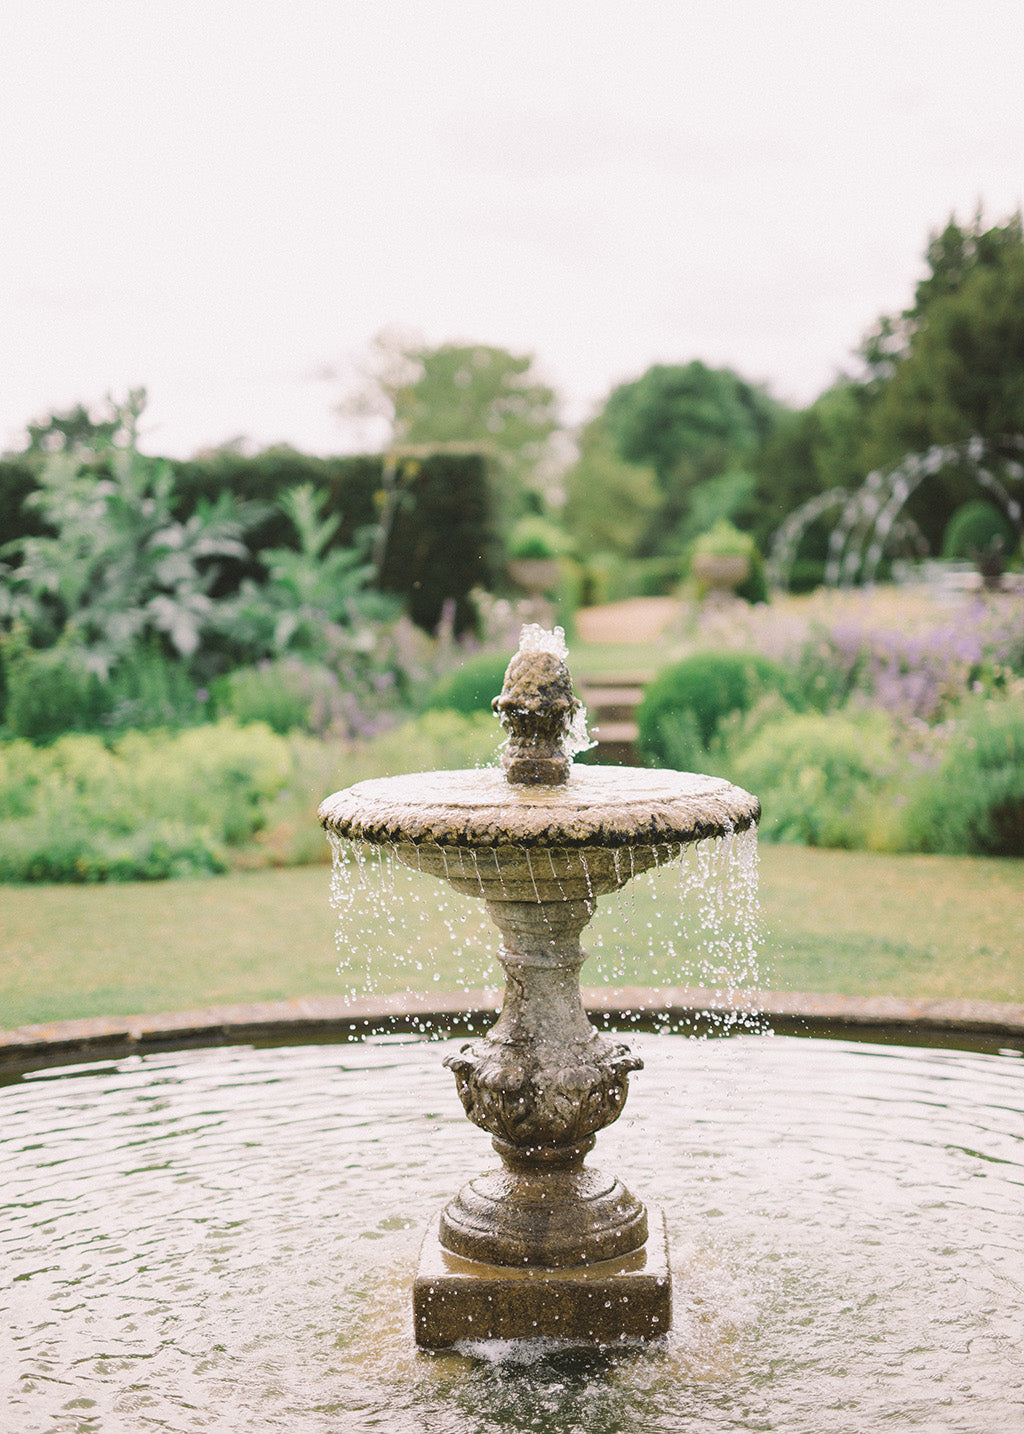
(315, 599)
(118, 566)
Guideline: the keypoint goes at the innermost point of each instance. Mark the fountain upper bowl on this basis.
(598, 807)
(477, 830)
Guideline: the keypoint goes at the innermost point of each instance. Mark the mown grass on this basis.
(846, 922)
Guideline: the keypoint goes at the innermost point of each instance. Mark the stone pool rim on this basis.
(323, 1019)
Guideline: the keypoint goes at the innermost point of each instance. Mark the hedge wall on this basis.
(428, 514)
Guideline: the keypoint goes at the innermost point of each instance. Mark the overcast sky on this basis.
(225, 200)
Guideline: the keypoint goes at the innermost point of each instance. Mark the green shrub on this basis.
(435, 742)
(147, 805)
(817, 776)
(534, 537)
(974, 529)
(805, 574)
(609, 577)
(149, 689)
(684, 706)
(723, 540)
(48, 692)
(473, 686)
(288, 695)
(973, 801)
(154, 804)
(77, 851)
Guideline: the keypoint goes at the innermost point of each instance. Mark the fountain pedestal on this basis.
(607, 1302)
(544, 1245)
(543, 1082)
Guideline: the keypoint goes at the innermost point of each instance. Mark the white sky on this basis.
(225, 200)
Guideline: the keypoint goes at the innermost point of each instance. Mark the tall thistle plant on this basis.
(315, 600)
(119, 568)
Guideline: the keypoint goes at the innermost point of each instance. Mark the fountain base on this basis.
(608, 1302)
(552, 1219)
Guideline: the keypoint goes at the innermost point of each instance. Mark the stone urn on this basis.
(721, 572)
(536, 576)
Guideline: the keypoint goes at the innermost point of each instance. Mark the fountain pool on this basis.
(224, 1239)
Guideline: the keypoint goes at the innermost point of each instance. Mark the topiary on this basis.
(974, 529)
(685, 704)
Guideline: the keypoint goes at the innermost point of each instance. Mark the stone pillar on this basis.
(542, 1083)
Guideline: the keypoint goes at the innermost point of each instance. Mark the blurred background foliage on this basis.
(288, 604)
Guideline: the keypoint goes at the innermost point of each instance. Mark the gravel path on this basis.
(635, 620)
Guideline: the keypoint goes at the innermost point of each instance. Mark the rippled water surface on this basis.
(224, 1240)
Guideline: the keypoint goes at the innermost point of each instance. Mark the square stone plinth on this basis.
(625, 1299)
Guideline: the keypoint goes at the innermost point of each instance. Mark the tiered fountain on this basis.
(545, 1245)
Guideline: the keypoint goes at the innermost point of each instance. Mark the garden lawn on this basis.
(845, 922)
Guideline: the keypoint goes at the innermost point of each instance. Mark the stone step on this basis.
(611, 700)
(613, 732)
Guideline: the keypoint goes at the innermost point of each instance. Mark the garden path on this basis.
(634, 620)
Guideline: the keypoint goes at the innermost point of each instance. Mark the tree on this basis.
(963, 370)
(953, 256)
(689, 423)
(608, 502)
(951, 367)
(808, 452)
(947, 368)
(461, 393)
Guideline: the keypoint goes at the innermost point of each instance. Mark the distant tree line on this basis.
(682, 446)
(474, 444)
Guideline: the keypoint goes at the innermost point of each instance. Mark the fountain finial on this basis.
(540, 711)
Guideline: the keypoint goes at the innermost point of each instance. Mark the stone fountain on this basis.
(545, 1245)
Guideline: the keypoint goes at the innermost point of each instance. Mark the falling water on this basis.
(691, 921)
(871, 519)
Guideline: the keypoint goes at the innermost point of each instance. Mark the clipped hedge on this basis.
(974, 529)
(684, 707)
(429, 515)
(473, 686)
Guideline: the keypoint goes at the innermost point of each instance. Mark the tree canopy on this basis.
(462, 393)
(958, 370)
(947, 368)
(689, 424)
(609, 503)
